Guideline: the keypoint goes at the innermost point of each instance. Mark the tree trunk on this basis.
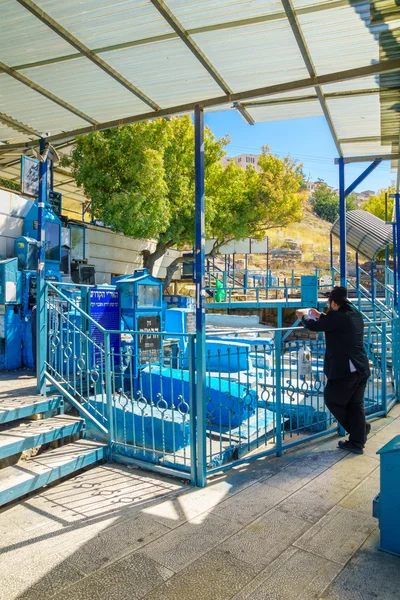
(149, 258)
(172, 268)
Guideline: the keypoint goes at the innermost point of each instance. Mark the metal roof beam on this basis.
(37, 88)
(302, 44)
(257, 20)
(190, 43)
(328, 96)
(18, 126)
(387, 66)
(244, 112)
(369, 158)
(363, 176)
(85, 51)
(373, 138)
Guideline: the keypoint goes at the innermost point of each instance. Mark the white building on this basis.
(243, 160)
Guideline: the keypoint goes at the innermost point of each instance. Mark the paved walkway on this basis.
(294, 528)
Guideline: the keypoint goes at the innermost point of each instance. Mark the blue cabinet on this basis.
(386, 506)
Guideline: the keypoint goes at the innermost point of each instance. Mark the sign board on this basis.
(30, 176)
(55, 199)
(148, 342)
(104, 309)
(191, 322)
(247, 246)
(149, 345)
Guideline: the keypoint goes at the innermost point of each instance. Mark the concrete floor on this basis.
(297, 527)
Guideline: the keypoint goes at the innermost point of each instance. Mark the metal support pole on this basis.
(358, 282)
(200, 299)
(384, 367)
(394, 265)
(397, 273)
(41, 325)
(278, 385)
(331, 250)
(342, 214)
(246, 273)
(373, 291)
(192, 412)
(109, 393)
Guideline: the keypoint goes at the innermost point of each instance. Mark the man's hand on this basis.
(301, 312)
(313, 312)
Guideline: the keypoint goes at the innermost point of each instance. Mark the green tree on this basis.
(376, 204)
(326, 204)
(10, 185)
(141, 181)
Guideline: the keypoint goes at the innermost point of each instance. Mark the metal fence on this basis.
(264, 393)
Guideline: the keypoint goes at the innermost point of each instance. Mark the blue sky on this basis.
(308, 140)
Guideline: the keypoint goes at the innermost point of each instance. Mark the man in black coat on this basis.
(346, 365)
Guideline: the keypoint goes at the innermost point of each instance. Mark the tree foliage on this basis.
(10, 185)
(376, 204)
(141, 181)
(326, 204)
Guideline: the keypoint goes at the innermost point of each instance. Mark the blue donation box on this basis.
(141, 313)
(104, 309)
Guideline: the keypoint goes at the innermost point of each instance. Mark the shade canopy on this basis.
(366, 233)
(69, 68)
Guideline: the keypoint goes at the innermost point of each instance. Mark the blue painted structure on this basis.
(386, 506)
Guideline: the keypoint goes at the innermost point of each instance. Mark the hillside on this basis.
(310, 238)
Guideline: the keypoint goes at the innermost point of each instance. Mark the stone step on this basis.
(20, 407)
(27, 476)
(17, 437)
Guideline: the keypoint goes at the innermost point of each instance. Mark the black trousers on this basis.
(345, 400)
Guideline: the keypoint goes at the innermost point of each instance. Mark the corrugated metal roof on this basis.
(72, 67)
(366, 233)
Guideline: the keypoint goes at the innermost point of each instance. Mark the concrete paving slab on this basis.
(338, 535)
(189, 542)
(370, 575)
(299, 472)
(302, 577)
(38, 578)
(216, 575)
(313, 501)
(189, 504)
(114, 542)
(128, 579)
(360, 499)
(250, 503)
(263, 540)
(349, 472)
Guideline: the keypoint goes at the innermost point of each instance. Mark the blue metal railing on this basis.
(263, 390)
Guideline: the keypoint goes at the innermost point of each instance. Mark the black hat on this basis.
(339, 295)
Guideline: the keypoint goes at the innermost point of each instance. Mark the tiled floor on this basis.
(297, 527)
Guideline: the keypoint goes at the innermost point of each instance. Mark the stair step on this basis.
(27, 476)
(15, 438)
(20, 407)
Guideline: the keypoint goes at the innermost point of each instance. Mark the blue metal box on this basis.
(388, 506)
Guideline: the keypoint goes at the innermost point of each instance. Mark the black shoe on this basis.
(350, 447)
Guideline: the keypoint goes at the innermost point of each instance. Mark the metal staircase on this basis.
(38, 443)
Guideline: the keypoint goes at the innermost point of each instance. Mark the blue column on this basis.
(397, 272)
(200, 298)
(41, 337)
(331, 251)
(394, 265)
(342, 214)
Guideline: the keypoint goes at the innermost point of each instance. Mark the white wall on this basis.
(115, 254)
(111, 253)
(13, 209)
